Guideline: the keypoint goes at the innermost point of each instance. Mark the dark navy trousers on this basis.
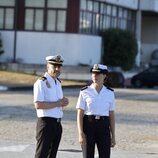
(97, 133)
(48, 136)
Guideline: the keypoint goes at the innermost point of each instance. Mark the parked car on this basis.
(148, 78)
(115, 79)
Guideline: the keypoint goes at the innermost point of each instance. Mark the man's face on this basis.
(54, 70)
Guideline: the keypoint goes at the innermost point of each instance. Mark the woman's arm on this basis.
(80, 114)
(112, 128)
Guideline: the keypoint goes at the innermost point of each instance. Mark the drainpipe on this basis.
(138, 34)
(15, 31)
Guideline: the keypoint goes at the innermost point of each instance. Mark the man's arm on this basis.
(49, 105)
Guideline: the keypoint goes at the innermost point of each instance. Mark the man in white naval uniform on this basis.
(49, 101)
(95, 115)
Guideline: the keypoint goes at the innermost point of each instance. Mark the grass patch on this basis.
(16, 78)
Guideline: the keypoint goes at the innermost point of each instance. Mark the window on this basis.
(7, 10)
(56, 20)
(57, 4)
(96, 16)
(51, 18)
(45, 15)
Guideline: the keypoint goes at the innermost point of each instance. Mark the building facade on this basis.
(33, 29)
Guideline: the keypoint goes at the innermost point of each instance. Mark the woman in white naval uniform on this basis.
(48, 101)
(95, 115)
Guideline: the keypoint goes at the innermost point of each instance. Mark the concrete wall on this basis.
(149, 37)
(133, 4)
(33, 47)
(8, 45)
(149, 5)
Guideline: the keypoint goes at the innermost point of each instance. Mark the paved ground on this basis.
(136, 125)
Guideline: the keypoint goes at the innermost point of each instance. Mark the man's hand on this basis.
(63, 102)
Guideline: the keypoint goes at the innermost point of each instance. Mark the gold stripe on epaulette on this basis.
(43, 78)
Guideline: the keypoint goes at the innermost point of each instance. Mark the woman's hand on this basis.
(113, 142)
(82, 139)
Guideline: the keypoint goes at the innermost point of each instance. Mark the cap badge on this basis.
(96, 66)
(58, 58)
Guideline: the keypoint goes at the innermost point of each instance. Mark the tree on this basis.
(120, 48)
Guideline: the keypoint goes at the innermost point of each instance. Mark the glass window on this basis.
(120, 13)
(90, 5)
(102, 8)
(39, 19)
(129, 15)
(29, 19)
(34, 3)
(9, 19)
(57, 4)
(114, 11)
(83, 4)
(51, 20)
(83, 21)
(108, 22)
(89, 19)
(114, 22)
(61, 21)
(123, 24)
(7, 2)
(101, 22)
(125, 14)
(108, 10)
(96, 7)
(101, 15)
(1, 18)
(97, 20)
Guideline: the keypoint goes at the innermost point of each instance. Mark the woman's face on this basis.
(98, 78)
(54, 70)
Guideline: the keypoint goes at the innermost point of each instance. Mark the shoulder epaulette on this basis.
(43, 78)
(110, 88)
(59, 80)
(83, 88)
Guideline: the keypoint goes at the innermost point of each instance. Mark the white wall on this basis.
(149, 5)
(8, 45)
(133, 4)
(149, 37)
(34, 47)
(147, 50)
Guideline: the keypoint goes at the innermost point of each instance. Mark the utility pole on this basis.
(15, 31)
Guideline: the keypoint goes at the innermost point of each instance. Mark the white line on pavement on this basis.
(15, 148)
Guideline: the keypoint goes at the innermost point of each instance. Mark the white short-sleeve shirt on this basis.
(94, 103)
(48, 90)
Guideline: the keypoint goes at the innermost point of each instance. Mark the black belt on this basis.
(95, 117)
(51, 119)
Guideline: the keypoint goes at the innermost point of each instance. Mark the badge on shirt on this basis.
(48, 84)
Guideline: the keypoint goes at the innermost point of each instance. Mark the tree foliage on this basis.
(120, 48)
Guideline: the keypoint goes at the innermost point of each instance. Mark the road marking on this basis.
(15, 148)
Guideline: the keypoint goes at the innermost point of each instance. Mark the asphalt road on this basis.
(136, 124)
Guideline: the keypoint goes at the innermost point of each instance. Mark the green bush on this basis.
(1, 46)
(120, 48)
